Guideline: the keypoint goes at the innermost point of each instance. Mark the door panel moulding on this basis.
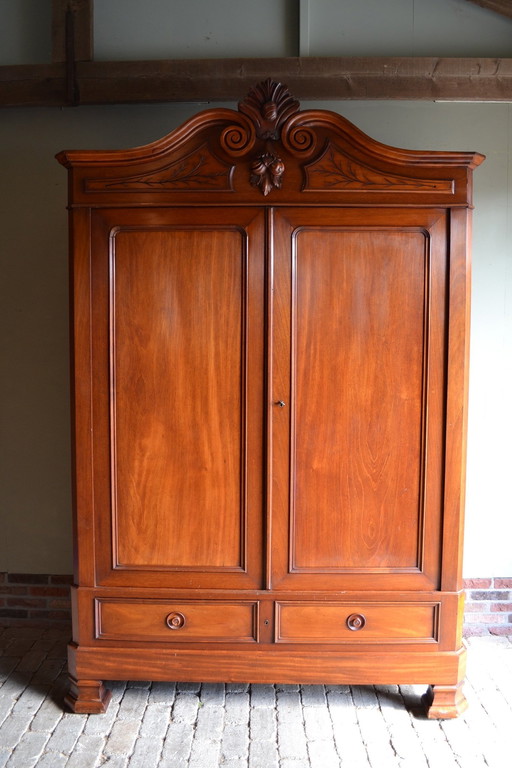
(314, 78)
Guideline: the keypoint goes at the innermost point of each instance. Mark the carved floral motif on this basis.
(199, 170)
(338, 171)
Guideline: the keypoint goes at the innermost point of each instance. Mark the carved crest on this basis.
(268, 105)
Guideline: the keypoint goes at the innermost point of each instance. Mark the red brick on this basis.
(61, 579)
(6, 590)
(23, 602)
(501, 607)
(27, 578)
(14, 613)
(61, 603)
(3, 577)
(50, 616)
(475, 630)
(506, 629)
(477, 583)
(478, 607)
(50, 591)
(486, 618)
(503, 583)
(489, 595)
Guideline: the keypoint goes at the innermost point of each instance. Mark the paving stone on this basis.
(47, 716)
(291, 739)
(237, 687)
(155, 721)
(6, 705)
(364, 697)
(263, 723)
(28, 750)
(204, 753)
(146, 752)
(235, 741)
(289, 707)
(133, 703)
(237, 708)
(177, 744)
(292, 763)
(12, 729)
(31, 660)
(162, 693)
(58, 760)
(213, 694)
(210, 722)
(6, 667)
(287, 688)
(164, 725)
(30, 700)
(322, 754)
(263, 695)
(318, 723)
(313, 696)
(87, 751)
(185, 708)
(263, 754)
(66, 733)
(139, 684)
(189, 687)
(122, 737)
(47, 672)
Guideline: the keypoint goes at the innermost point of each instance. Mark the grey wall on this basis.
(34, 423)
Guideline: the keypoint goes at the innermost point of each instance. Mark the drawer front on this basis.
(357, 622)
(176, 622)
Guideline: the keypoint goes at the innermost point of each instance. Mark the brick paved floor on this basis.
(189, 725)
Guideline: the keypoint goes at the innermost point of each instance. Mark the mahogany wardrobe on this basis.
(270, 344)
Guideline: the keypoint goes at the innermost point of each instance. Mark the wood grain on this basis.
(270, 397)
(179, 306)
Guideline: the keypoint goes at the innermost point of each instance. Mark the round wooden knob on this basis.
(175, 620)
(356, 621)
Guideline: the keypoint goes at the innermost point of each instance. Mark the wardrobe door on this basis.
(358, 339)
(177, 358)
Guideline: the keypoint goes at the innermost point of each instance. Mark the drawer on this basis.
(357, 622)
(176, 622)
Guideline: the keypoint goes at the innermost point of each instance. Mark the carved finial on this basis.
(269, 105)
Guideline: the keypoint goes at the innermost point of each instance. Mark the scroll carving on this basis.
(337, 171)
(199, 170)
(268, 105)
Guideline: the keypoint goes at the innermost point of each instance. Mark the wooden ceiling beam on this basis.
(310, 78)
(72, 19)
(503, 7)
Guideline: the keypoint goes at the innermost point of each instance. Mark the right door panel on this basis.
(358, 338)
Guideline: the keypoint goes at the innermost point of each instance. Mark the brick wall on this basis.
(40, 598)
(488, 607)
(34, 598)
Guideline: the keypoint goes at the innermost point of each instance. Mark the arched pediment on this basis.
(270, 149)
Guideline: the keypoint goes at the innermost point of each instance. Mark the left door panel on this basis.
(177, 388)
